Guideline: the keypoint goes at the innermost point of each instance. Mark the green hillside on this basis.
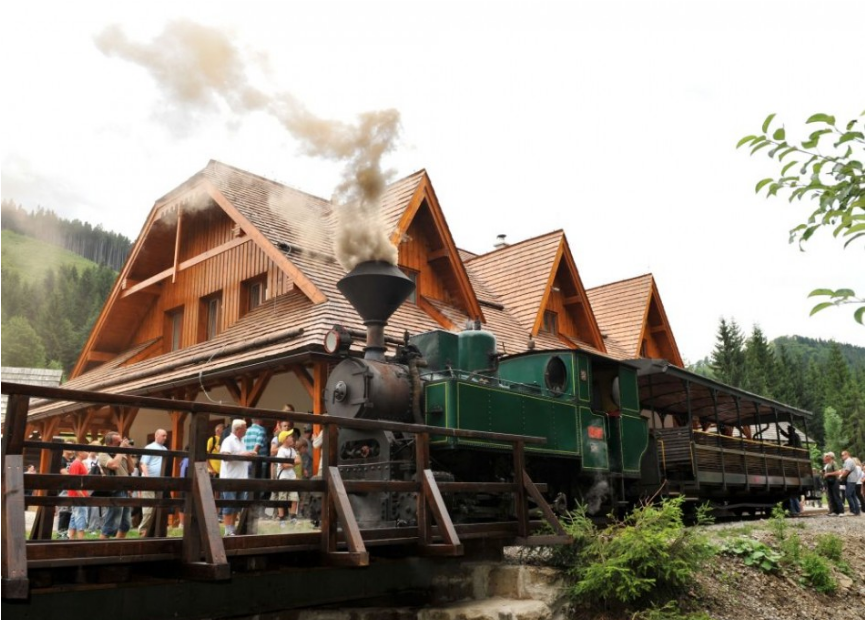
(31, 259)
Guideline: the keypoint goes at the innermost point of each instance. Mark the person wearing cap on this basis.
(286, 472)
(830, 469)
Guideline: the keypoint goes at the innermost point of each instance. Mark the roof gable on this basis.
(426, 245)
(156, 258)
(631, 313)
(537, 275)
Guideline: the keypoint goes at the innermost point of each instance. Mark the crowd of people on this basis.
(843, 482)
(294, 446)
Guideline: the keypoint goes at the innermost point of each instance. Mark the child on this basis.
(78, 521)
(286, 472)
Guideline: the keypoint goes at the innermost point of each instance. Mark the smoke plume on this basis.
(199, 68)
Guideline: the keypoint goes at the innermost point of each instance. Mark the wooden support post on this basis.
(520, 502)
(44, 522)
(432, 495)
(328, 510)
(357, 554)
(14, 558)
(561, 536)
(202, 539)
(15, 424)
(319, 376)
(424, 530)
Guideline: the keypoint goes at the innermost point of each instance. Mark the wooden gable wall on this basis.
(423, 251)
(657, 341)
(225, 271)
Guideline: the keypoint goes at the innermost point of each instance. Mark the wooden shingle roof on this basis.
(624, 312)
(518, 274)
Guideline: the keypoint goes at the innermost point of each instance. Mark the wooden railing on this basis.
(684, 451)
(201, 552)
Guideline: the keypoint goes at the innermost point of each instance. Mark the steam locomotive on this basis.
(601, 448)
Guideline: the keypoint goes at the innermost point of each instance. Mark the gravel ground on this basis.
(729, 590)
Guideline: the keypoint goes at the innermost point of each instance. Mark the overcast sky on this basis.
(616, 122)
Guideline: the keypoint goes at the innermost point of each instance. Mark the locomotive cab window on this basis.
(556, 375)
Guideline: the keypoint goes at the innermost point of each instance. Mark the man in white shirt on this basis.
(850, 476)
(234, 470)
(151, 466)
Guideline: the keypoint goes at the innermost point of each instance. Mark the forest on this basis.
(100, 246)
(48, 310)
(825, 378)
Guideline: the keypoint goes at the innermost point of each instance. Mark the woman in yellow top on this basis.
(213, 445)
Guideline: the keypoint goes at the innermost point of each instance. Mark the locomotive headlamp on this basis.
(337, 340)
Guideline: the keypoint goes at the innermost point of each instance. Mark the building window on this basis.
(253, 294)
(551, 322)
(413, 276)
(174, 328)
(210, 314)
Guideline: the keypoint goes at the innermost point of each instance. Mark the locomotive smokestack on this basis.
(375, 289)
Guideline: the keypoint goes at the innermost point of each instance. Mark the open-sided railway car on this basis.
(719, 444)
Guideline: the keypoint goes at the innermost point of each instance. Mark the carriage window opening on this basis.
(556, 375)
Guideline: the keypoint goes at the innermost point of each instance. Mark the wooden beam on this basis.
(443, 520)
(550, 516)
(14, 559)
(306, 380)
(319, 376)
(144, 285)
(257, 386)
(438, 255)
(100, 356)
(233, 389)
(162, 275)
(437, 316)
(357, 554)
(573, 300)
(177, 238)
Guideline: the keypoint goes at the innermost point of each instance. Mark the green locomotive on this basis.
(604, 446)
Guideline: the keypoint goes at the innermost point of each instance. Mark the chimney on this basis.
(375, 289)
(500, 242)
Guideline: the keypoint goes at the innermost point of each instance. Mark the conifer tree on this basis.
(728, 357)
(760, 376)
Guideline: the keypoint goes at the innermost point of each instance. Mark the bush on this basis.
(650, 555)
(817, 574)
(830, 547)
(754, 553)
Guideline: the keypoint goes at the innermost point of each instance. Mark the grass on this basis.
(31, 258)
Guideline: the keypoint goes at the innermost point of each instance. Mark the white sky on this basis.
(614, 121)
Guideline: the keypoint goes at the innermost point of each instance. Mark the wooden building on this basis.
(231, 286)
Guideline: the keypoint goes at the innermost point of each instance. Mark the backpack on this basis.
(96, 470)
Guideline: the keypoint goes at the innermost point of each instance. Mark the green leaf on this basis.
(821, 291)
(850, 135)
(745, 140)
(767, 122)
(859, 315)
(853, 238)
(788, 166)
(820, 306)
(845, 292)
(779, 134)
(820, 118)
(760, 146)
(762, 184)
(786, 152)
